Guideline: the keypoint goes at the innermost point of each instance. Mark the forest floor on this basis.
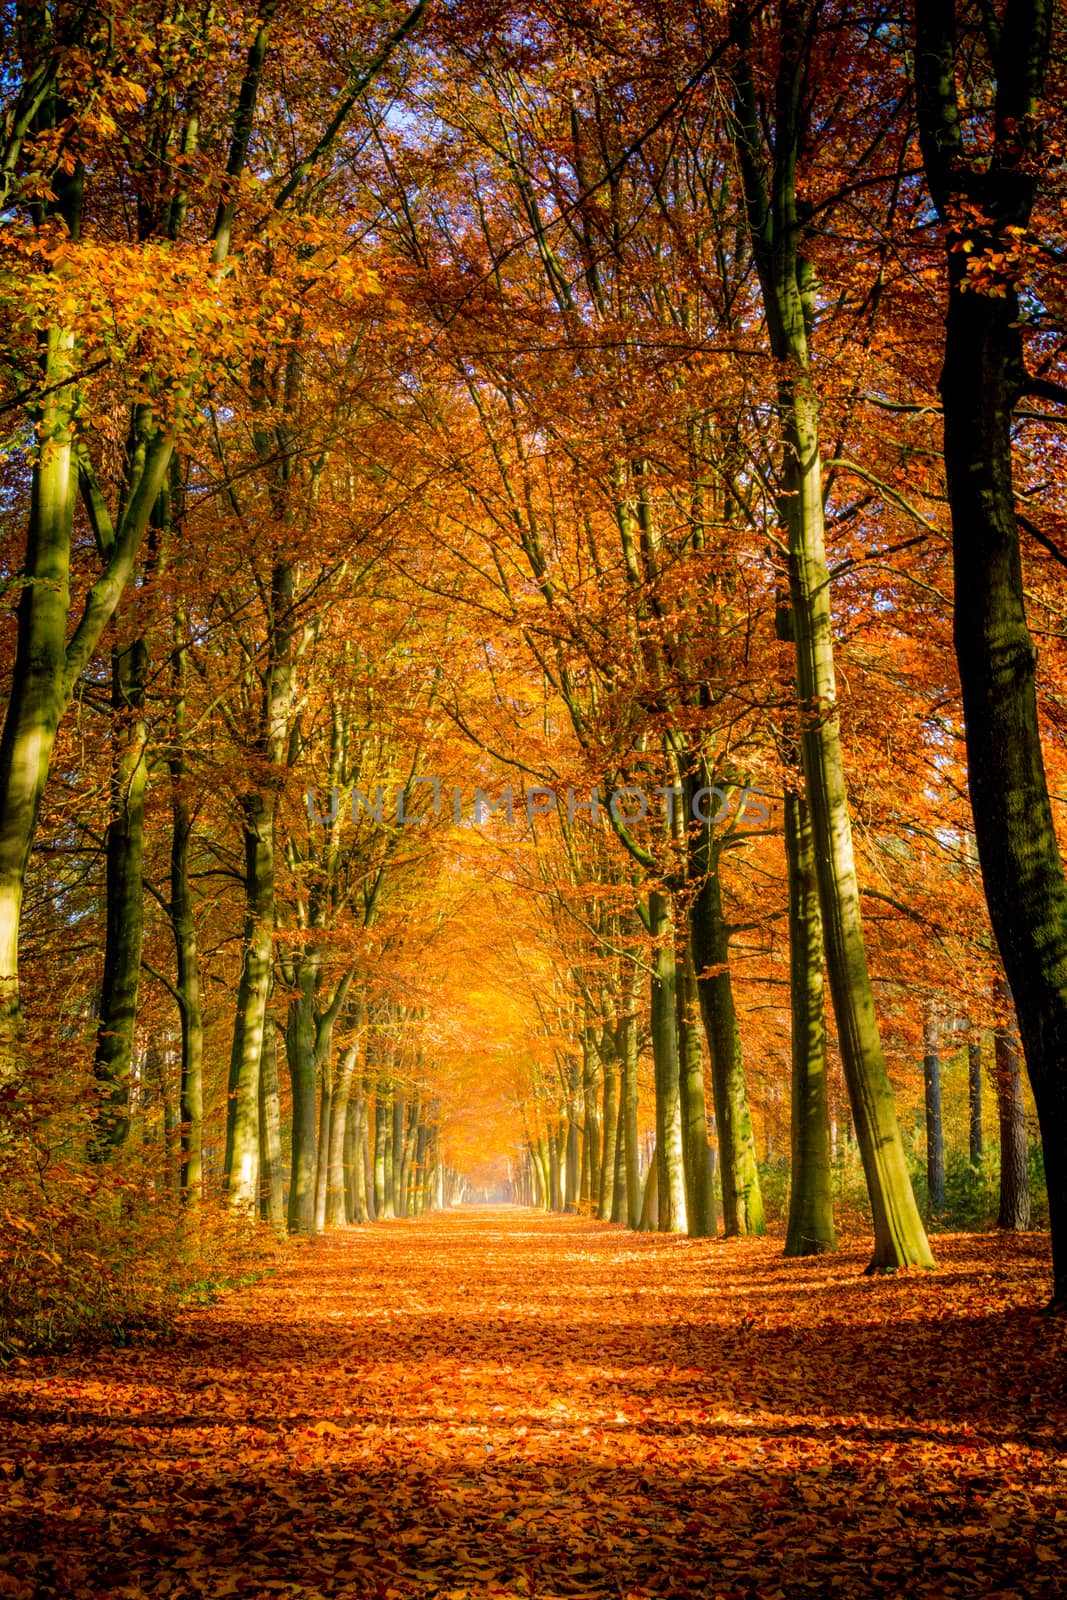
(496, 1403)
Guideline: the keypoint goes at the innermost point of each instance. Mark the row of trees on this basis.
(551, 401)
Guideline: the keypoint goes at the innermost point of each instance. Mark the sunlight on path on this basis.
(495, 1403)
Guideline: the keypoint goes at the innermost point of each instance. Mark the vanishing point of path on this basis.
(491, 1404)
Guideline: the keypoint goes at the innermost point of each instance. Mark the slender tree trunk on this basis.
(350, 1157)
(620, 1195)
(974, 1097)
(383, 1124)
(572, 1161)
(340, 1111)
(1014, 1212)
(368, 1143)
(649, 1221)
(741, 1196)
(810, 1229)
(410, 1140)
(242, 1108)
(361, 1205)
(609, 1064)
(555, 1184)
(591, 1134)
(271, 1175)
(628, 1052)
(187, 954)
(699, 1200)
(396, 1172)
(303, 1073)
(124, 854)
(671, 1183)
(935, 1135)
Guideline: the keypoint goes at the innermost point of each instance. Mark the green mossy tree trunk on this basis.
(786, 289)
(626, 1043)
(669, 1151)
(810, 1228)
(742, 1200)
(699, 1199)
(186, 946)
(984, 189)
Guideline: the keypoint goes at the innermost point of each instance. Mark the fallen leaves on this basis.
(499, 1404)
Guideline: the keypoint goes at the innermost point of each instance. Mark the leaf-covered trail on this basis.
(496, 1403)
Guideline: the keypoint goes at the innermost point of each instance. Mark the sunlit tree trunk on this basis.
(649, 1220)
(785, 282)
(242, 1107)
(340, 1112)
(396, 1173)
(627, 1046)
(271, 1174)
(810, 1229)
(1013, 1214)
(699, 1200)
(742, 1199)
(591, 1133)
(671, 1181)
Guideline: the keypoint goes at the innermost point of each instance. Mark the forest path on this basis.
(496, 1403)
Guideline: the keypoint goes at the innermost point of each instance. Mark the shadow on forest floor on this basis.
(501, 1404)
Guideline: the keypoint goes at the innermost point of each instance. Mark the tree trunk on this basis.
(591, 1133)
(124, 854)
(935, 1135)
(982, 380)
(1014, 1212)
(699, 1200)
(396, 1145)
(187, 955)
(271, 1175)
(974, 1097)
(650, 1201)
(368, 1146)
(742, 1201)
(241, 1160)
(626, 1039)
(49, 658)
(671, 1183)
(786, 287)
(383, 1123)
(609, 1064)
(303, 1073)
(340, 1111)
(572, 1164)
(810, 1230)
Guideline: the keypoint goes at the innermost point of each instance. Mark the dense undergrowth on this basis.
(108, 1253)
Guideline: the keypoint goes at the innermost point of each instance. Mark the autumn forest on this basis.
(533, 797)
